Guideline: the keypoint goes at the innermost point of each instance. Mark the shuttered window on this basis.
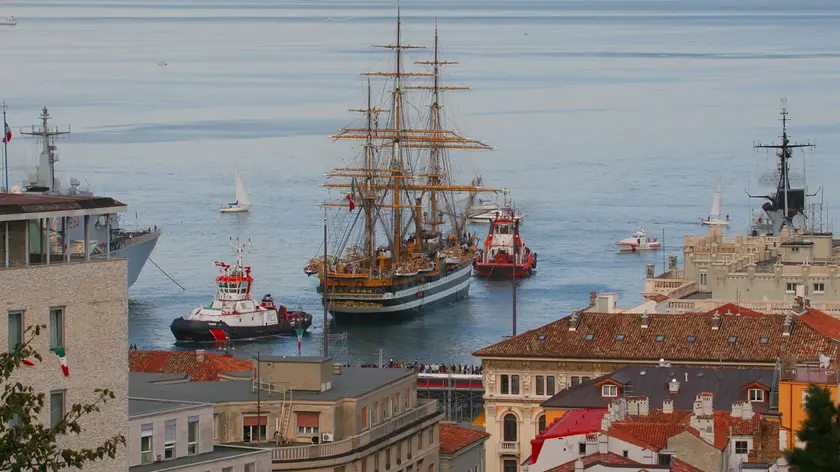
(307, 423)
(252, 421)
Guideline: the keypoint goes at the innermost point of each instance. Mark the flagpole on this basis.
(5, 150)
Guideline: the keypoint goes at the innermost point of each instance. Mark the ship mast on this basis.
(784, 154)
(46, 161)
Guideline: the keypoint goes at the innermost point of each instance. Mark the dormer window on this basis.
(691, 339)
(619, 337)
(756, 395)
(732, 339)
(589, 337)
(609, 390)
(659, 338)
(764, 340)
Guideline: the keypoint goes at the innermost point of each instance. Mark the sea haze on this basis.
(606, 115)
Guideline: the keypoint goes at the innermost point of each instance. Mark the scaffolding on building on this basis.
(460, 396)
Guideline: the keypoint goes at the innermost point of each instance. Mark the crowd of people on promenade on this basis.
(426, 368)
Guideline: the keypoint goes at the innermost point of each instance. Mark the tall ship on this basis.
(134, 245)
(406, 247)
(787, 206)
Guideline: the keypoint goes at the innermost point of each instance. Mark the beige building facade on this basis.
(315, 416)
(82, 301)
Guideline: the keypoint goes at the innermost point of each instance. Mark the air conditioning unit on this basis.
(327, 437)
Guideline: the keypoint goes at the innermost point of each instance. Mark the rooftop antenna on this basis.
(7, 136)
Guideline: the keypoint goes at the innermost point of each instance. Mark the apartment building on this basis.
(178, 436)
(461, 449)
(82, 298)
(314, 415)
(523, 371)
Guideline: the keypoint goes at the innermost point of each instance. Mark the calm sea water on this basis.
(606, 115)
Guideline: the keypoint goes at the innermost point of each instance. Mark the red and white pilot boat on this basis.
(504, 253)
(233, 315)
(639, 242)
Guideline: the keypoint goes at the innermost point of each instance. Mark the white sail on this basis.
(717, 203)
(241, 194)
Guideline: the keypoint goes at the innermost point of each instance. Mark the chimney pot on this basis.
(336, 368)
(199, 355)
(667, 406)
(673, 386)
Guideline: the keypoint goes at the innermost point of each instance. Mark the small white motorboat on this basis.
(8, 21)
(639, 242)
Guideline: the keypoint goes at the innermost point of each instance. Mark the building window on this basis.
(664, 459)
(57, 407)
(56, 328)
(399, 452)
(251, 467)
(756, 395)
(540, 385)
(253, 428)
(307, 424)
(15, 330)
(732, 339)
(819, 288)
(691, 339)
(609, 390)
(386, 408)
(703, 279)
(585, 379)
(582, 448)
(146, 454)
(227, 469)
(387, 458)
(431, 436)
(407, 398)
(169, 439)
(541, 423)
(365, 420)
(764, 340)
(505, 385)
(509, 428)
(509, 466)
(192, 435)
(741, 447)
(215, 426)
(549, 385)
(375, 414)
(619, 337)
(589, 336)
(397, 403)
(625, 453)
(790, 287)
(659, 338)
(575, 381)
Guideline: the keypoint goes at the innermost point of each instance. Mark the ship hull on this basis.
(137, 254)
(404, 302)
(503, 271)
(196, 331)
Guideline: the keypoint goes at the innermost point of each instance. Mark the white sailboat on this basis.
(242, 203)
(715, 218)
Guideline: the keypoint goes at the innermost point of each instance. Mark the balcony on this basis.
(345, 446)
(509, 447)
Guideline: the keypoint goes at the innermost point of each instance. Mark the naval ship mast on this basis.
(781, 208)
(47, 159)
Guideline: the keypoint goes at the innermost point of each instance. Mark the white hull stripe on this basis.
(420, 301)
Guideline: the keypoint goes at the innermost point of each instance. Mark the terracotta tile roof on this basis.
(186, 362)
(454, 438)
(680, 466)
(602, 459)
(808, 338)
(727, 426)
(652, 431)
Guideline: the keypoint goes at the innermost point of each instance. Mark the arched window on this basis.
(509, 432)
(541, 423)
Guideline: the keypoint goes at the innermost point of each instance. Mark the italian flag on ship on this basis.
(59, 351)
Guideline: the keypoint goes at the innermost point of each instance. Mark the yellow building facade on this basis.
(792, 395)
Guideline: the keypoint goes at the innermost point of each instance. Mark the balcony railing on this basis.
(509, 447)
(344, 446)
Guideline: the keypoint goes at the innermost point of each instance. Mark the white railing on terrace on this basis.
(701, 306)
(344, 446)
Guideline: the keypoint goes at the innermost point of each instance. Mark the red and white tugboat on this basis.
(233, 315)
(504, 253)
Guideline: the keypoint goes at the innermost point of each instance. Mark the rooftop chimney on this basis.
(649, 271)
(574, 321)
(593, 296)
(673, 386)
(697, 407)
(706, 398)
(667, 406)
(578, 465)
(336, 368)
(644, 406)
(737, 408)
(787, 325)
(603, 444)
(199, 355)
(645, 319)
(716, 320)
(747, 411)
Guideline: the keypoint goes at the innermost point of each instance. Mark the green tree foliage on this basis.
(25, 443)
(820, 433)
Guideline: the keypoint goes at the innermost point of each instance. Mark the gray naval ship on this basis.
(134, 245)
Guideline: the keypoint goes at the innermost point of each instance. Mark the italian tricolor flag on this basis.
(59, 351)
(350, 196)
